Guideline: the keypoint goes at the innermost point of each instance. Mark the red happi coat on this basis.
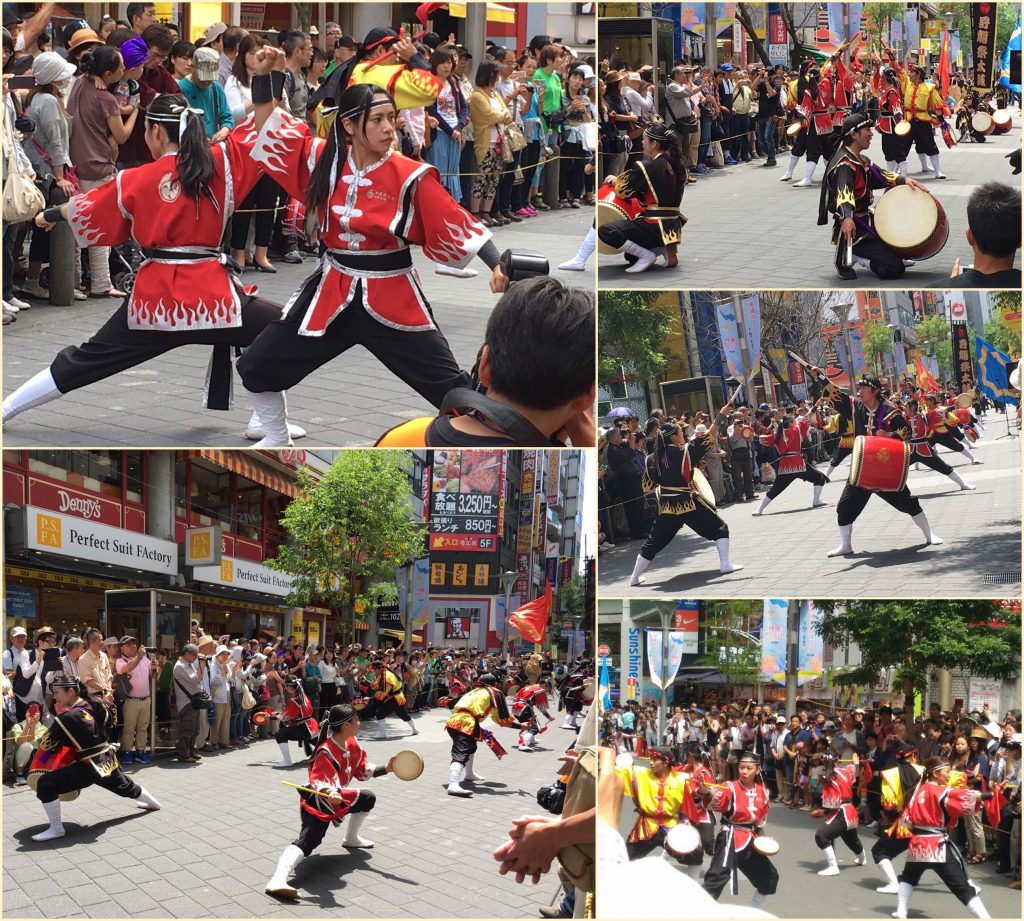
(919, 434)
(745, 810)
(842, 91)
(933, 810)
(694, 809)
(332, 770)
(820, 108)
(788, 444)
(890, 109)
(939, 420)
(147, 205)
(377, 211)
(837, 794)
(299, 712)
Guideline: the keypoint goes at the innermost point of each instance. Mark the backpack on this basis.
(742, 100)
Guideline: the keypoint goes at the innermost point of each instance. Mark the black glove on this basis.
(24, 124)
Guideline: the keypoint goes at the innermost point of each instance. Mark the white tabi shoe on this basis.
(354, 823)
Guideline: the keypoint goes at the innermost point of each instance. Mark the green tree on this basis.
(916, 636)
(572, 606)
(726, 647)
(933, 338)
(1006, 21)
(349, 533)
(631, 330)
(995, 331)
(876, 339)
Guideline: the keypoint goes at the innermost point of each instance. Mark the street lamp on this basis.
(508, 579)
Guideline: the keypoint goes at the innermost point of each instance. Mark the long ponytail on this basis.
(195, 161)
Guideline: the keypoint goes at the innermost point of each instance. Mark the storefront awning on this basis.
(495, 12)
(240, 464)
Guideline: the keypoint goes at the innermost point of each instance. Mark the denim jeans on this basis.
(766, 137)
(705, 139)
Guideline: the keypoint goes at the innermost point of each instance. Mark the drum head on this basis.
(902, 129)
(32, 779)
(703, 487)
(965, 400)
(766, 845)
(794, 129)
(906, 217)
(1001, 117)
(407, 764)
(981, 122)
(682, 840)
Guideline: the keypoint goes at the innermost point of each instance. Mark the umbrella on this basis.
(620, 412)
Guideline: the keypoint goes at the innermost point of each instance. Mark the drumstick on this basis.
(304, 789)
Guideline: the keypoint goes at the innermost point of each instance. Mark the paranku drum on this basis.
(703, 488)
(982, 123)
(682, 840)
(879, 463)
(902, 128)
(612, 208)
(767, 845)
(912, 221)
(407, 764)
(43, 762)
(794, 129)
(1001, 121)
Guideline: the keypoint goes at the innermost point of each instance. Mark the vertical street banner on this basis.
(856, 15)
(751, 307)
(858, 362)
(963, 369)
(983, 40)
(730, 336)
(675, 656)
(773, 640)
(524, 533)
(810, 645)
(421, 591)
(843, 356)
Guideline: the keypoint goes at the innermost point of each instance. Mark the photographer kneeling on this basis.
(535, 376)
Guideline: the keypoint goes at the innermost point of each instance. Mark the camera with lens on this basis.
(518, 265)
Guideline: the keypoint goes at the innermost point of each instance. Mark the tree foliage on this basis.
(726, 649)
(876, 339)
(743, 15)
(916, 636)
(349, 532)
(995, 331)
(631, 330)
(933, 338)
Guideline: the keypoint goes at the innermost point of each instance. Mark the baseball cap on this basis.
(205, 63)
(727, 67)
(128, 639)
(71, 28)
(18, 631)
(214, 31)
(346, 41)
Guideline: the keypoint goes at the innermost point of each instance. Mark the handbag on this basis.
(198, 701)
(122, 687)
(22, 200)
(514, 137)
(248, 701)
(69, 171)
(686, 125)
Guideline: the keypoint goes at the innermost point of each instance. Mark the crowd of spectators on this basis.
(984, 751)
(242, 677)
(75, 96)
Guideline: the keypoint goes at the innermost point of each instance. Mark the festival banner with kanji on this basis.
(983, 39)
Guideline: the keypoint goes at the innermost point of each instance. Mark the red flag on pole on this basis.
(424, 10)
(924, 380)
(532, 618)
(944, 65)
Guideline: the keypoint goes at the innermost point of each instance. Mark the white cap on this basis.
(18, 631)
(221, 649)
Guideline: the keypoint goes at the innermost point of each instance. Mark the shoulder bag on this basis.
(22, 201)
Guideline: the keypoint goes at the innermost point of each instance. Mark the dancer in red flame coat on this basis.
(933, 810)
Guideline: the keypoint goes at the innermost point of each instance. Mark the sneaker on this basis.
(143, 757)
(20, 781)
(294, 257)
(126, 758)
(540, 205)
(533, 211)
(729, 161)
(526, 212)
(10, 308)
(32, 288)
(18, 304)
(79, 295)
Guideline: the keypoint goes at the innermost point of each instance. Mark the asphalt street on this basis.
(747, 229)
(210, 850)
(350, 401)
(784, 551)
(804, 894)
